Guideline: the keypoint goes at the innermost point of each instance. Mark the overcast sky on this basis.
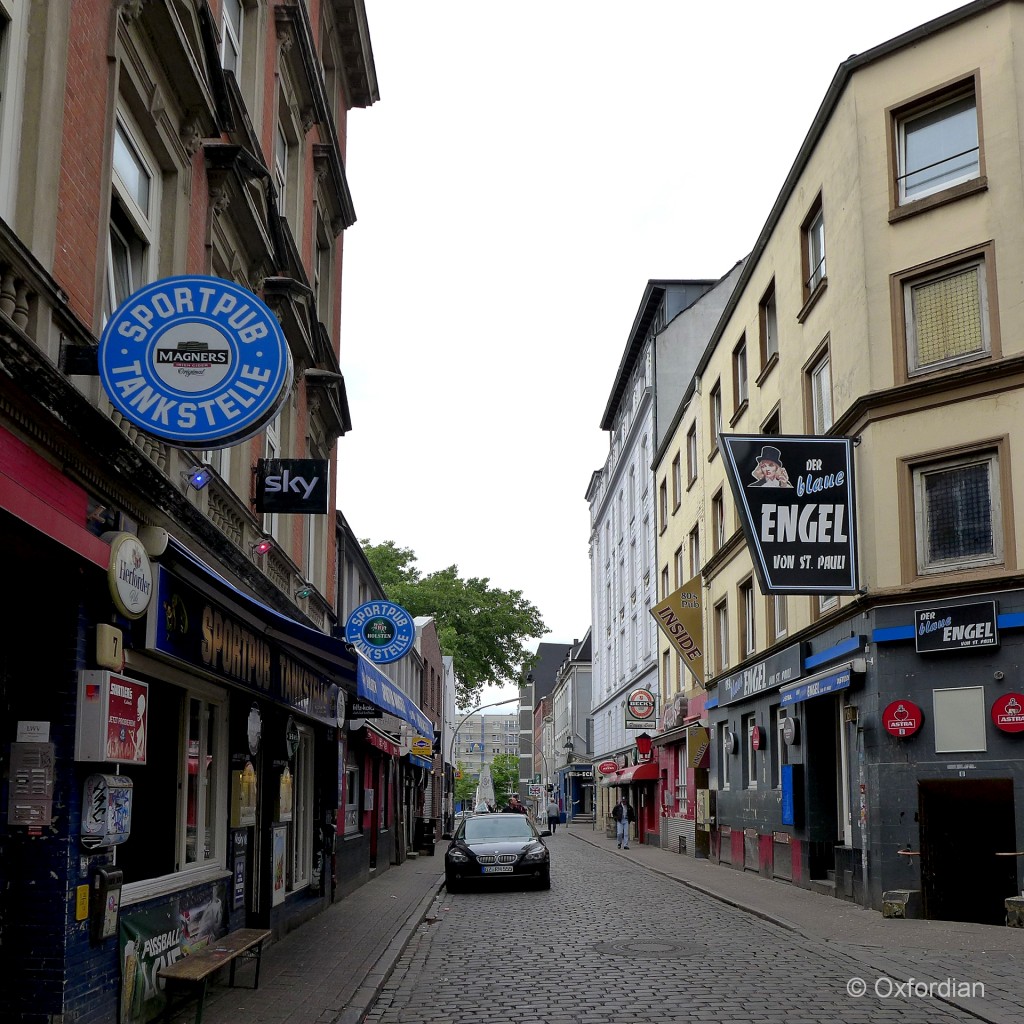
(529, 167)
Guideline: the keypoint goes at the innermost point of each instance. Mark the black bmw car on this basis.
(497, 846)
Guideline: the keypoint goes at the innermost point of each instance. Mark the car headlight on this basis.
(537, 853)
(457, 857)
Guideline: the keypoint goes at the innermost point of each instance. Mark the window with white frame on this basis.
(665, 591)
(134, 214)
(677, 482)
(778, 749)
(181, 812)
(937, 145)
(281, 155)
(749, 753)
(748, 637)
(947, 317)
(682, 765)
(718, 519)
(691, 454)
(303, 824)
(820, 383)
(739, 374)
(722, 635)
(814, 249)
(678, 563)
(779, 615)
(768, 324)
(724, 756)
(323, 276)
(958, 513)
(272, 450)
(663, 504)
(694, 552)
(232, 15)
(14, 18)
(352, 787)
(826, 602)
(716, 415)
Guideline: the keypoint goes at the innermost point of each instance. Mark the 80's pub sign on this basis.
(797, 506)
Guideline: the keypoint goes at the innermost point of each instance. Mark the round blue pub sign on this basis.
(197, 361)
(382, 632)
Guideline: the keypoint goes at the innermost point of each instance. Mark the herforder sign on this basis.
(797, 505)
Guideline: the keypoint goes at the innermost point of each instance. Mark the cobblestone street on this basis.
(615, 941)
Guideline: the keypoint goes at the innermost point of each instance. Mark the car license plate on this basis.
(497, 869)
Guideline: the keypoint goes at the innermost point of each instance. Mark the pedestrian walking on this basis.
(623, 815)
(553, 815)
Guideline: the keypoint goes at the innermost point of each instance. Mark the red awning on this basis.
(647, 772)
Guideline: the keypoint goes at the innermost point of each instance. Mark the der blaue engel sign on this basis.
(796, 503)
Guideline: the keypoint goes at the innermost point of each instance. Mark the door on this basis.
(966, 830)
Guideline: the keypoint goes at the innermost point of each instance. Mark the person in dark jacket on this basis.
(623, 815)
(515, 807)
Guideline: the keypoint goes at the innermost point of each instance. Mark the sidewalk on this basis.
(330, 969)
(898, 949)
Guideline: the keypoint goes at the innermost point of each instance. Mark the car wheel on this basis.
(452, 885)
(545, 881)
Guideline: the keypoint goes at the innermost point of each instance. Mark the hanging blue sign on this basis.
(197, 361)
(381, 631)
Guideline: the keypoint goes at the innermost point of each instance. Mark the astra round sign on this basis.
(902, 718)
(197, 361)
(1008, 712)
(608, 767)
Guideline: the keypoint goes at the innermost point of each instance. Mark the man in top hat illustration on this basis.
(770, 472)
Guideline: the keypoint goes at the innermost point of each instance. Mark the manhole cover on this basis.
(646, 948)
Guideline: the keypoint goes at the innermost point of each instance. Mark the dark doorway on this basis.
(965, 825)
(822, 782)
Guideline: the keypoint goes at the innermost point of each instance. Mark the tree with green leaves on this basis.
(505, 774)
(465, 787)
(483, 629)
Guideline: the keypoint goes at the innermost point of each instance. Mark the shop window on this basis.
(724, 757)
(749, 753)
(681, 766)
(352, 794)
(179, 817)
(778, 749)
(303, 821)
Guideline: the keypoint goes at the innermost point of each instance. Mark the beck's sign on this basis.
(197, 361)
(797, 506)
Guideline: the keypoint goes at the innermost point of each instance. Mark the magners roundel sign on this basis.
(197, 361)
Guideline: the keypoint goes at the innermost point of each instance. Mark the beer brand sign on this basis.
(796, 502)
(640, 708)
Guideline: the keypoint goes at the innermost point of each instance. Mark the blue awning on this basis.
(816, 686)
(376, 687)
(420, 762)
(328, 649)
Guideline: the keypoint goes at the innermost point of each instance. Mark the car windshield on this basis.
(504, 826)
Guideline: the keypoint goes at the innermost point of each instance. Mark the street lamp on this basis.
(451, 749)
(643, 746)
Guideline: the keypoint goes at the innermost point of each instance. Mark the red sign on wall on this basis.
(608, 767)
(902, 718)
(757, 737)
(1008, 712)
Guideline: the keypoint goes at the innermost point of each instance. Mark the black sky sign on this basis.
(796, 502)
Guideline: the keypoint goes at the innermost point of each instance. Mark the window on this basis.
(778, 748)
(323, 275)
(773, 424)
(678, 560)
(937, 144)
(718, 520)
(632, 493)
(779, 615)
(272, 450)
(691, 455)
(946, 316)
(181, 811)
(748, 636)
(826, 602)
(768, 326)
(677, 483)
(663, 504)
(813, 250)
(682, 766)
(352, 787)
(724, 756)
(14, 20)
(749, 724)
(739, 375)
(281, 167)
(134, 214)
(722, 635)
(716, 416)
(645, 463)
(664, 582)
(231, 31)
(302, 824)
(958, 513)
(694, 552)
(819, 387)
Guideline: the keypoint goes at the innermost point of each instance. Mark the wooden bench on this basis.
(196, 969)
